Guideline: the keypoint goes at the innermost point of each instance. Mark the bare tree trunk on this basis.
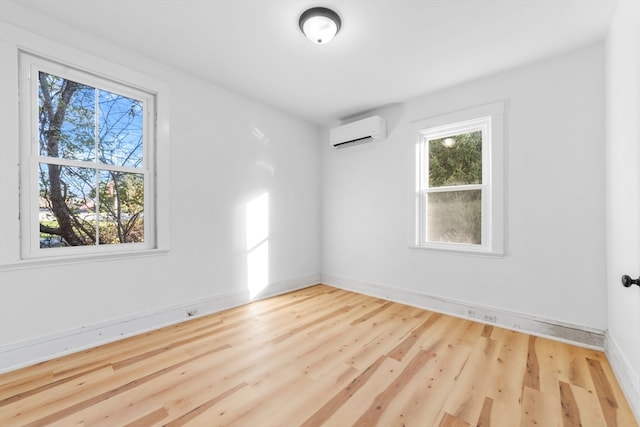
(58, 192)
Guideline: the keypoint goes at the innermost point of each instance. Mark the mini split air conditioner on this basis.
(358, 132)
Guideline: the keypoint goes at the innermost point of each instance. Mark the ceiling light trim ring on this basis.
(315, 12)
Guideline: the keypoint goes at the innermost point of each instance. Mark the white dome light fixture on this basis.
(320, 24)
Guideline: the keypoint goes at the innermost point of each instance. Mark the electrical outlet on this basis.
(490, 318)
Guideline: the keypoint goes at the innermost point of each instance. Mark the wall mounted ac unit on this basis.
(358, 132)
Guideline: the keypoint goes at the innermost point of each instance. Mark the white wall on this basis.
(225, 151)
(554, 265)
(623, 196)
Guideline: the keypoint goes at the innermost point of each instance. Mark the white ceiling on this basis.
(386, 52)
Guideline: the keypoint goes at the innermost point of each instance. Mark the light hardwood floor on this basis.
(321, 356)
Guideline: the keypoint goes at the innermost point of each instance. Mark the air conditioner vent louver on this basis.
(359, 132)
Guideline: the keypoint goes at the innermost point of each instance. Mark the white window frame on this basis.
(488, 119)
(154, 94)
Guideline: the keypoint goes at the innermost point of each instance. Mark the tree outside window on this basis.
(91, 176)
(454, 211)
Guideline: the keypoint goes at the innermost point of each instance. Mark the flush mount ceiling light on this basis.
(320, 24)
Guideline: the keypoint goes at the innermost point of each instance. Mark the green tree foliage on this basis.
(456, 160)
(455, 216)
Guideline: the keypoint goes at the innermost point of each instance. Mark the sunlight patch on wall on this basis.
(258, 244)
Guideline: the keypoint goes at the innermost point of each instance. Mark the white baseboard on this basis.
(25, 353)
(628, 377)
(559, 331)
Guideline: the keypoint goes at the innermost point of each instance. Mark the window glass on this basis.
(120, 136)
(453, 182)
(455, 160)
(121, 207)
(454, 216)
(66, 118)
(90, 203)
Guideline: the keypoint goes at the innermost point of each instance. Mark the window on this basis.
(88, 163)
(458, 193)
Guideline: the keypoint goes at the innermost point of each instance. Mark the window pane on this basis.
(120, 129)
(456, 160)
(67, 206)
(121, 207)
(68, 202)
(66, 118)
(454, 217)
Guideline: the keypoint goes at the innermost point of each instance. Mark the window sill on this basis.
(458, 250)
(32, 263)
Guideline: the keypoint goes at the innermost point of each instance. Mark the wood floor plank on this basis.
(449, 420)
(589, 407)
(498, 414)
(554, 365)
(380, 338)
(623, 413)
(473, 380)
(441, 362)
(540, 409)
(608, 402)
(278, 373)
(177, 390)
(427, 398)
(40, 404)
(299, 404)
(198, 410)
(532, 374)
(94, 400)
(372, 313)
(352, 408)
(508, 381)
(151, 418)
(405, 345)
(329, 408)
(347, 346)
(382, 400)
(485, 415)
(579, 374)
(321, 356)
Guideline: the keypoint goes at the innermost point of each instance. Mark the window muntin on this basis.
(458, 182)
(91, 160)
